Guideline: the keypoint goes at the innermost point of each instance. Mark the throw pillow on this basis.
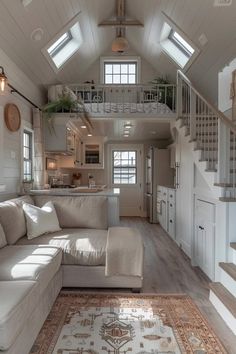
(40, 221)
(3, 241)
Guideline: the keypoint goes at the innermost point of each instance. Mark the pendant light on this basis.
(3, 79)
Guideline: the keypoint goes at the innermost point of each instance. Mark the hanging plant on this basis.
(66, 103)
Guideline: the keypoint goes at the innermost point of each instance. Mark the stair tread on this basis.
(224, 296)
(229, 268)
(233, 245)
(227, 199)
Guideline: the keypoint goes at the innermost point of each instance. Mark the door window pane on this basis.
(124, 167)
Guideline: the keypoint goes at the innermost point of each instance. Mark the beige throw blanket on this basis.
(124, 252)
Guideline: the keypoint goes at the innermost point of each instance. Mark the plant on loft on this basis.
(66, 102)
(165, 93)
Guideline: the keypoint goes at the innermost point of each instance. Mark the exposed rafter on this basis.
(121, 21)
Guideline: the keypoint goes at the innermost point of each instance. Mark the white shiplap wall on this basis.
(10, 143)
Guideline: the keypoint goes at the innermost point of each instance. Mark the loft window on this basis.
(27, 156)
(124, 165)
(120, 73)
(64, 45)
(182, 44)
(60, 44)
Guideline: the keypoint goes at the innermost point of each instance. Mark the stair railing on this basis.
(213, 132)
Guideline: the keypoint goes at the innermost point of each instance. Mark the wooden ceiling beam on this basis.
(115, 23)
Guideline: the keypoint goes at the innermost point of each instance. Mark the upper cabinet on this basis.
(91, 150)
(58, 138)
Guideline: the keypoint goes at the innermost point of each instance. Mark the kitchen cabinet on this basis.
(59, 138)
(166, 209)
(204, 236)
(91, 153)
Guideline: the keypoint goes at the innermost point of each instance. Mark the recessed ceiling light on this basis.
(126, 135)
(89, 134)
(37, 34)
(126, 131)
(83, 126)
(127, 126)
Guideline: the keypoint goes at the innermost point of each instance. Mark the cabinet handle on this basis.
(171, 221)
(171, 205)
(171, 196)
(201, 227)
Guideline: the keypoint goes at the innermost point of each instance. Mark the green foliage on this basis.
(165, 93)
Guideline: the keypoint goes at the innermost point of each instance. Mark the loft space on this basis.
(29, 28)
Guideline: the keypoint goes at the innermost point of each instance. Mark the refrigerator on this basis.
(158, 172)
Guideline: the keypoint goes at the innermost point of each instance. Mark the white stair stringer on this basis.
(209, 176)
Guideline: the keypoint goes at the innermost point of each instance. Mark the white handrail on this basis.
(213, 133)
(214, 109)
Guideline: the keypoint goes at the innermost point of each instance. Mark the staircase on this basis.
(212, 138)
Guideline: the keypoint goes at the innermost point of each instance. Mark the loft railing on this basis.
(148, 99)
(214, 133)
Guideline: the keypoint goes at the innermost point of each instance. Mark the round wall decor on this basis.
(12, 117)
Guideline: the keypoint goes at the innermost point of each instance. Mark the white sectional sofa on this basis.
(32, 272)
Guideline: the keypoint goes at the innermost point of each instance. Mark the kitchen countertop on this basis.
(112, 192)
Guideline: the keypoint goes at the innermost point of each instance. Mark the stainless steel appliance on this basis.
(158, 172)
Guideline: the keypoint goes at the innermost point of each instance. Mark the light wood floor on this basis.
(168, 270)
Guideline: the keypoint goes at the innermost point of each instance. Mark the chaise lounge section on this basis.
(32, 271)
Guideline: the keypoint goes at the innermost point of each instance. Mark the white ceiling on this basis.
(142, 129)
(194, 17)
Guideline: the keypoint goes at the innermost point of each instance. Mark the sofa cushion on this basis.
(12, 218)
(17, 301)
(40, 221)
(3, 241)
(79, 246)
(78, 211)
(30, 263)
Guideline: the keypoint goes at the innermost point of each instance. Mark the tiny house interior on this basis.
(133, 102)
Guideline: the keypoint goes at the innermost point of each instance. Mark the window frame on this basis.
(173, 48)
(180, 45)
(118, 62)
(135, 167)
(64, 51)
(30, 133)
(61, 44)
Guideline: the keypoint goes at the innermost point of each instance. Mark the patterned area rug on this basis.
(118, 324)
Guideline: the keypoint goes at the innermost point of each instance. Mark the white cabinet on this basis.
(204, 236)
(166, 208)
(59, 138)
(89, 153)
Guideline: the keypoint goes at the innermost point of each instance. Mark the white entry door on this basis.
(126, 173)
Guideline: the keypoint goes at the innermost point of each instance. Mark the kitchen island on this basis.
(112, 195)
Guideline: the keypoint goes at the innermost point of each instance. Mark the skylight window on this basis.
(60, 44)
(181, 43)
(176, 45)
(61, 48)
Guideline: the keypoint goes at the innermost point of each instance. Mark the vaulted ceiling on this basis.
(194, 17)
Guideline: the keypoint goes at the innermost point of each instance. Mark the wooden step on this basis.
(224, 185)
(225, 297)
(229, 268)
(233, 245)
(227, 199)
